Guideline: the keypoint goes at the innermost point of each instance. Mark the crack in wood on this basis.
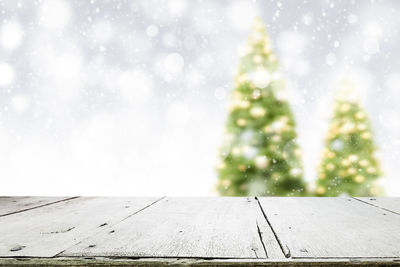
(261, 239)
(39, 206)
(286, 250)
(148, 206)
(376, 206)
(255, 252)
(59, 232)
(288, 255)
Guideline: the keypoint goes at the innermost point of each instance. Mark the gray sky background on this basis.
(130, 97)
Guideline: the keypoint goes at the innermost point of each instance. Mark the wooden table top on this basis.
(272, 231)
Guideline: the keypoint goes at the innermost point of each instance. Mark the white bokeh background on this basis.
(130, 97)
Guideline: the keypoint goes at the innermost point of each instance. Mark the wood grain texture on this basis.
(388, 203)
(333, 227)
(49, 230)
(202, 231)
(179, 262)
(10, 205)
(187, 227)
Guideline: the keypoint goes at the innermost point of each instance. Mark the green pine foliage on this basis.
(349, 165)
(260, 155)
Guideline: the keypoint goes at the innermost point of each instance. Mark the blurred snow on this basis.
(330, 59)
(136, 86)
(11, 35)
(20, 103)
(102, 31)
(152, 31)
(54, 14)
(6, 74)
(131, 97)
(174, 63)
(241, 14)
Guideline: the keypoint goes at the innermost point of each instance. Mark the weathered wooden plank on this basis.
(186, 227)
(10, 205)
(333, 227)
(388, 203)
(49, 230)
(103, 261)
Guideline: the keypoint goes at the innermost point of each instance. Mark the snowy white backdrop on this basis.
(130, 97)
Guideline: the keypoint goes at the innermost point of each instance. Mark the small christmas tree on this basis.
(348, 164)
(260, 155)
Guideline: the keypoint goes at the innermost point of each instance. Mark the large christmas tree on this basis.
(260, 155)
(348, 165)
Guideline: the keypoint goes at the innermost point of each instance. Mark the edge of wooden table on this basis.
(103, 261)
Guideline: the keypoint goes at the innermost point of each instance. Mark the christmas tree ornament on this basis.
(256, 94)
(261, 162)
(320, 190)
(242, 167)
(359, 178)
(260, 78)
(241, 122)
(276, 138)
(296, 172)
(360, 115)
(257, 59)
(353, 158)
(330, 166)
(236, 151)
(257, 112)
